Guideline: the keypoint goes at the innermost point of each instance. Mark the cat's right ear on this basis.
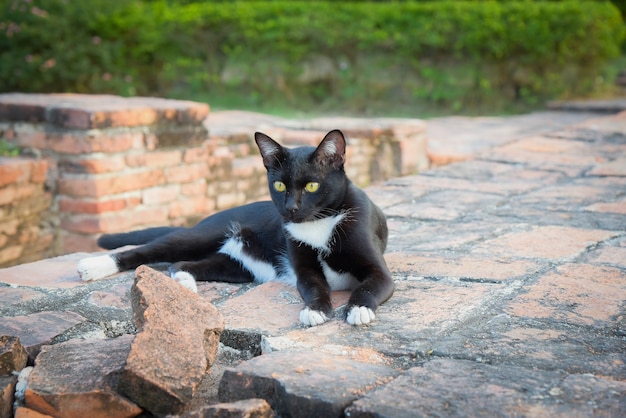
(271, 151)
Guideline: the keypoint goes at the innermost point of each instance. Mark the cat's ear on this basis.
(271, 151)
(332, 150)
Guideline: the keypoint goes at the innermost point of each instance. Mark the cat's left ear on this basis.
(332, 150)
(271, 151)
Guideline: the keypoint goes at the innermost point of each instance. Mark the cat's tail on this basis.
(144, 236)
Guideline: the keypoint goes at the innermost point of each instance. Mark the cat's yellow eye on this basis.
(279, 186)
(312, 186)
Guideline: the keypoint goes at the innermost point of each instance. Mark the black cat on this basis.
(321, 233)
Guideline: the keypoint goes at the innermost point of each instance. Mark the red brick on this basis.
(13, 170)
(67, 204)
(549, 242)
(198, 206)
(609, 207)
(163, 158)
(195, 155)
(117, 143)
(115, 221)
(78, 243)
(186, 173)
(136, 159)
(197, 188)
(93, 165)
(81, 143)
(575, 293)
(7, 194)
(478, 268)
(110, 185)
(39, 171)
(27, 136)
(159, 195)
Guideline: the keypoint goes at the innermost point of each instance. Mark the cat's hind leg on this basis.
(216, 268)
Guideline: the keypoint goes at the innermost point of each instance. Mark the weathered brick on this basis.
(163, 349)
(109, 185)
(162, 158)
(159, 195)
(13, 170)
(186, 173)
(303, 383)
(78, 378)
(488, 269)
(92, 165)
(549, 242)
(37, 329)
(115, 221)
(445, 387)
(195, 155)
(196, 188)
(39, 171)
(196, 206)
(13, 356)
(575, 293)
(71, 205)
(78, 243)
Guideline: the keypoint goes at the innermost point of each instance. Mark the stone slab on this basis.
(177, 342)
(448, 388)
(37, 329)
(303, 383)
(80, 379)
(57, 272)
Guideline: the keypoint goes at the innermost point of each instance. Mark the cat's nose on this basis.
(292, 206)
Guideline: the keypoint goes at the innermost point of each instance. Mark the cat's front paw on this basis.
(96, 268)
(312, 317)
(359, 315)
(186, 280)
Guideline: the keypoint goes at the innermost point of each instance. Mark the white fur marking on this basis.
(186, 280)
(263, 272)
(96, 268)
(338, 280)
(311, 317)
(317, 233)
(360, 315)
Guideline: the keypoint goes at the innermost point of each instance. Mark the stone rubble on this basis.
(177, 342)
(510, 270)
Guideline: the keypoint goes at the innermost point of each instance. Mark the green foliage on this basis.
(357, 56)
(8, 149)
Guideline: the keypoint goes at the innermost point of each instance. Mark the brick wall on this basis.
(107, 164)
(25, 231)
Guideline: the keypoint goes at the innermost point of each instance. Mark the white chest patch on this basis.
(338, 280)
(318, 234)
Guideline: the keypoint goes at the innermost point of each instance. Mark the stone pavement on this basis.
(510, 271)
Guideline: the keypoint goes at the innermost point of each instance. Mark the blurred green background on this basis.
(401, 58)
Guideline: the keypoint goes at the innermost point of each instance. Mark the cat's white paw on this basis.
(96, 268)
(312, 317)
(359, 315)
(186, 279)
